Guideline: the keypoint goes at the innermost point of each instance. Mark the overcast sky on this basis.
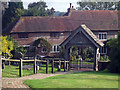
(58, 5)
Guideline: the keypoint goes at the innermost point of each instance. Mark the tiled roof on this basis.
(94, 19)
(91, 35)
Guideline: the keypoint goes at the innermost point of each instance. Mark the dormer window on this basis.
(23, 35)
(54, 35)
(102, 35)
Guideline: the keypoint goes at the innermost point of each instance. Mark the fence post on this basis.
(64, 65)
(34, 66)
(60, 65)
(20, 68)
(77, 64)
(3, 64)
(9, 63)
(69, 65)
(47, 66)
(52, 66)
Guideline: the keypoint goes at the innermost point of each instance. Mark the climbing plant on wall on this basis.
(43, 43)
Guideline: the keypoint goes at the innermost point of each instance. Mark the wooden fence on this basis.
(21, 61)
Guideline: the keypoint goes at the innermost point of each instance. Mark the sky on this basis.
(58, 5)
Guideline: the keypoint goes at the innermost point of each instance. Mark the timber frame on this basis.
(83, 36)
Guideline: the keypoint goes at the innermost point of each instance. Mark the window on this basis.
(103, 50)
(23, 35)
(102, 35)
(55, 35)
(56, 48)
(44, 50)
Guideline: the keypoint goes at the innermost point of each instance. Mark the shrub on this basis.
(104, 58)
(114, 45)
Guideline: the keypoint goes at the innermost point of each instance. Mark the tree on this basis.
(97, 5)
(7, 46)
(10, 47)
(43, 43)
(39, 9)
(14, 11)
(114, 45)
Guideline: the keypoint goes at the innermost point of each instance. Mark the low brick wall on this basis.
(103, 65)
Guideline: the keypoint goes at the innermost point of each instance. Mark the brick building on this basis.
(103, 23)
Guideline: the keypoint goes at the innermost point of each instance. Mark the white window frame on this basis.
(103, 50)
(56, 46)
(101, 35)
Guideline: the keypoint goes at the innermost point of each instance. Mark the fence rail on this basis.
(21, 61)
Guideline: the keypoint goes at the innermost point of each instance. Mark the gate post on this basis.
(52, 66)
(60, 65)
(64, 65)
(47, 66)
(96, 58)
(35, 66)
(77, 64)
(20, 68)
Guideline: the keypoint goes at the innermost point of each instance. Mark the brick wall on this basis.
(34, 36)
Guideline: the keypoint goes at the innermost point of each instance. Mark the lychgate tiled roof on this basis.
(94, 19)
(89, 34)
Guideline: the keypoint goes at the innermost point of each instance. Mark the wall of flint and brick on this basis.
(35, 36)
(53, 41)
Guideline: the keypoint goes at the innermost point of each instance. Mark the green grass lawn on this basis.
(77, 80)
(12, 71)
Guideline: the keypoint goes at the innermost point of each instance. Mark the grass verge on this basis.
(77, 80)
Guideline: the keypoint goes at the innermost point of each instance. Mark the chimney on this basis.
(70, 5)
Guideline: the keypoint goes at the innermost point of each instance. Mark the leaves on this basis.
(39, 9)
(43, 44)
(114, 45)
(14, 10)
(7, 46)
(97, 5)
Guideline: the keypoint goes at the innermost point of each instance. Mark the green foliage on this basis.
(22, 50)
(84, 53)
(43, 43)
(74, 52)
(10, 46)
(87, 53)
(14, 11)
(114, 45)
(39, 9)
(104, 58)
(118, 6)
(7, 46)
(97, 5)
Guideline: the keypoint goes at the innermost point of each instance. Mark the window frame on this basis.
(55, 48)
(23, 35)
(102, 35)
(104, 51)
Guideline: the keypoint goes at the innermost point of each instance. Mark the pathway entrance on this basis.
(83, 37)
(19, 82)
